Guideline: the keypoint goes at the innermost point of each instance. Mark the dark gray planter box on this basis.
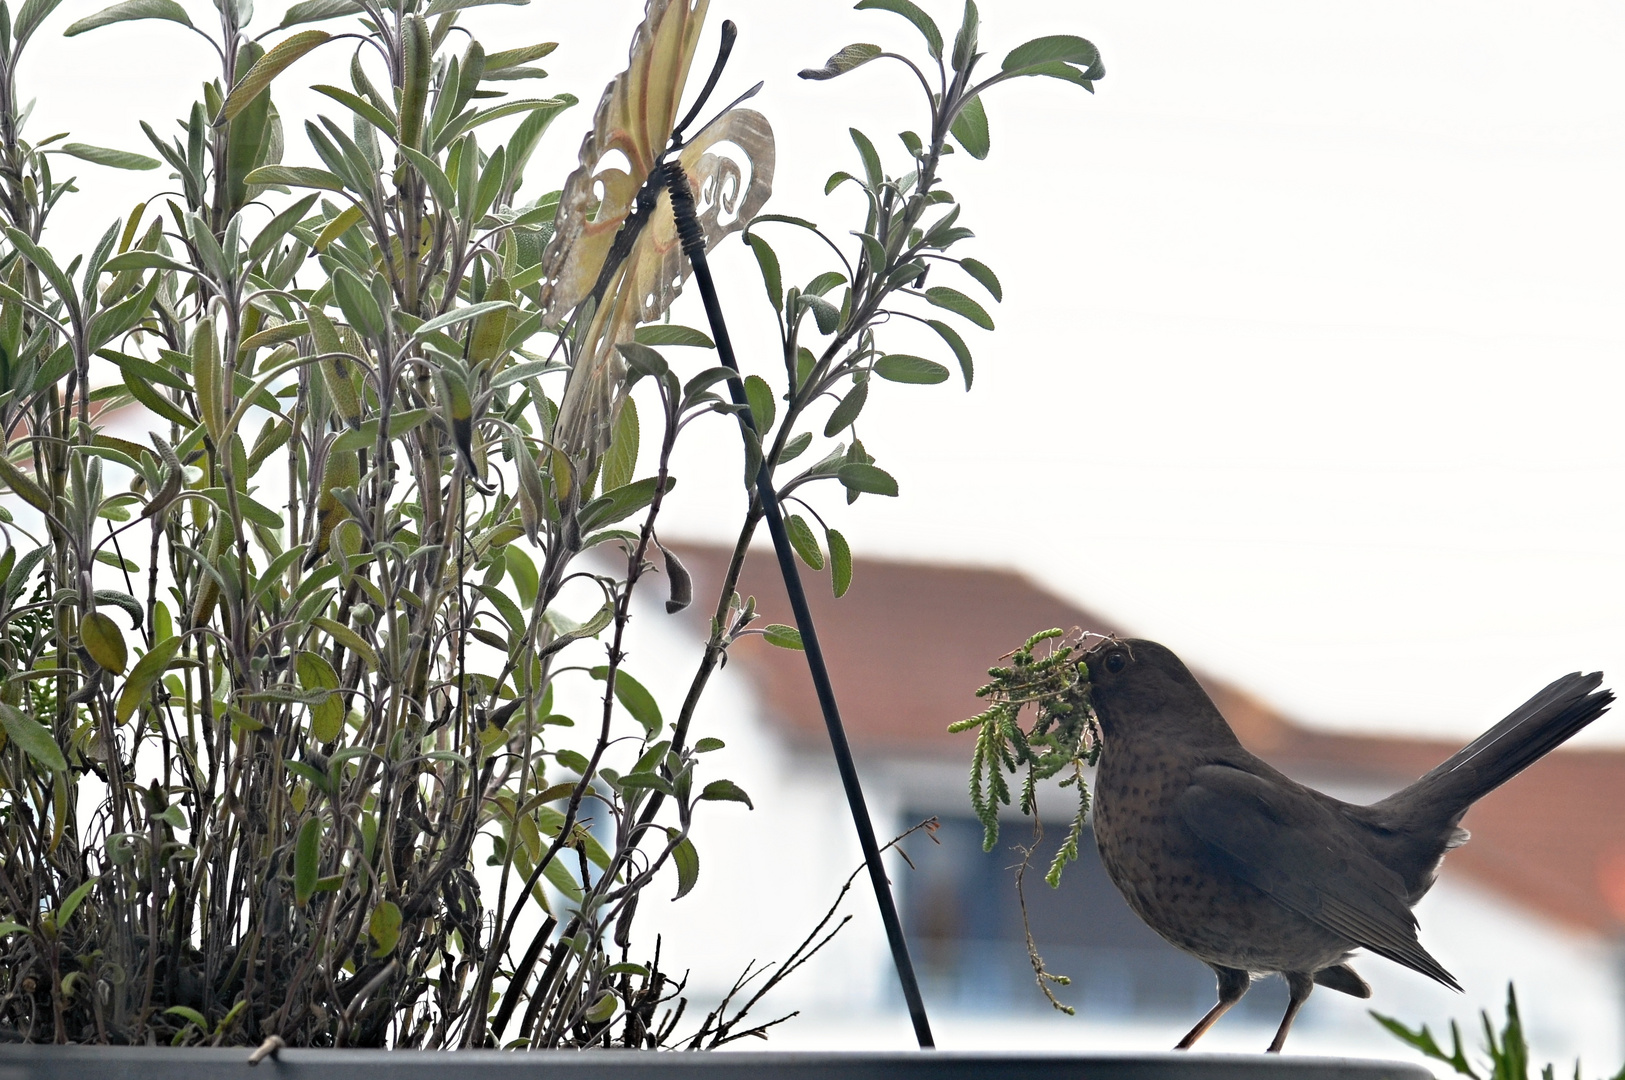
(142, 1063)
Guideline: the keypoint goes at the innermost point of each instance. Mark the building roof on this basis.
(910, 643)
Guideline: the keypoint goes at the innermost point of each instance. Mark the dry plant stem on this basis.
(1041, 974)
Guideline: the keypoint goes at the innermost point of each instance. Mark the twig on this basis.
(1040, 973)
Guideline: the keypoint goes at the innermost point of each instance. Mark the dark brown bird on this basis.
(1252, 872)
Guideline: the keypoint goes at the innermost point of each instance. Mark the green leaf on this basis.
(647, 781)
(33, 737)
(965, 40)
(257, 512)
(439, 182)
(191, 1016)
(327, 715)
(104, 641)
(75, 898)
(101, 155)
(573, 761)
(11, 928)
(29, 17)
(871, 159)
(522, 55)
(360, 307)
(294, 176)
(853, 56)
(621, 459)
(725, 791)
(43, 260)
(384, 928)
(858, 476)
(20, 482)
(787, 219)
(970, 128)
(525, 579)
(910, 369)
(635, 699)
(460, 315)
(704, 381)
(360, 106)
(490, 183)
(785, 637)
(824, 282)
(129, 11)
(546, 107)
(769, 263)
(957, 344)
(642, 359)
(143, 260)
(957, 302)
(278, 226)
(827, 315)
(840, 562)
(686, 858)
(670, 334)
(804, 541)
(268, 67)
(349, 639)
(1040, 53)
(794, 448)
(306, 859)
(558, 875)
(308, 11)
(614, 505)
(922, 22)
(366, 436)
(762, 409)
(607, 1002)
(440, 7)
(847, 411)
(144, 676)
(984, 276)
(708, 744)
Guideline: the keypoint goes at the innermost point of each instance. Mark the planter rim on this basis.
(42, 1062)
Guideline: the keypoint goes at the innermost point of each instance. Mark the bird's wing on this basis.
(1298, 853)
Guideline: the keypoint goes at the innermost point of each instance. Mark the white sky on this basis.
(1310, 358)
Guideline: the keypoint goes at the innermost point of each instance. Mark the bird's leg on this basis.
(1233, 983)
(1298, 984)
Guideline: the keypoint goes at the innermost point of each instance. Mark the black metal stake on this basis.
(688, 229)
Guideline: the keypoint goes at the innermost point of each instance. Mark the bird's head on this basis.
(1141, 688)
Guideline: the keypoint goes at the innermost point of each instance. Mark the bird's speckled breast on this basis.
(1177, 887)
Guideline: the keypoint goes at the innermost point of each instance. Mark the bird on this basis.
(1254, 873)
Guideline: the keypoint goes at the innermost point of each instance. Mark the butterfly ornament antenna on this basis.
(730, 33)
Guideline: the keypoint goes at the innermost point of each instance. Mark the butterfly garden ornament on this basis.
(616, 191)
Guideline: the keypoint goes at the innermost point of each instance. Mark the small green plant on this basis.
(1507, 1052)
(1062, 737)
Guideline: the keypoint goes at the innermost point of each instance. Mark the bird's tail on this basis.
(1535, 728)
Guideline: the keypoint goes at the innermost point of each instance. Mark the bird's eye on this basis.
(1116, 662)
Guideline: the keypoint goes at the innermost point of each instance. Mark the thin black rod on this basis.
(688, 228)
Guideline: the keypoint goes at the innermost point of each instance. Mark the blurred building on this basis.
(1537, 895)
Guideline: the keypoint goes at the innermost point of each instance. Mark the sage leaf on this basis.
(725, 791)
(33, 737)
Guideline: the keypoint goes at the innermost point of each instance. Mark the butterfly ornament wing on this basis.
(729, 165)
